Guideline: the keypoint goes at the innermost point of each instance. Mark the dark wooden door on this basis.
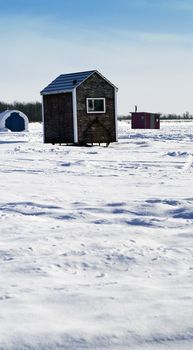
(58, 118)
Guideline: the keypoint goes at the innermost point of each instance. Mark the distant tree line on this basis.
(185, 115)
(171, 116)
(33, 110)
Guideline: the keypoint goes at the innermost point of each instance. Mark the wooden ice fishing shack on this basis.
(80, 108)
(144, 120)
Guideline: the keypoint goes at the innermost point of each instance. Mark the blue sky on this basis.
(145, 47)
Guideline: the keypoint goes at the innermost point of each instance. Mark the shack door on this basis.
(58, 118)
(152, 121)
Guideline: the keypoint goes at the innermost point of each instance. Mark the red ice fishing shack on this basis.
(145, 120)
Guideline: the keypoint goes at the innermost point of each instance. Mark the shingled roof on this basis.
(68, 82)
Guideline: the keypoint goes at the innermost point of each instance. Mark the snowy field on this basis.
(96, 243)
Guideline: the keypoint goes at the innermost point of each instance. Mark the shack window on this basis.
(95, 105)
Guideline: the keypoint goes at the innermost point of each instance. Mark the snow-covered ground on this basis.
(96, 243)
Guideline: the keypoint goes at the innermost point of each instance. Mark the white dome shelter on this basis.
(13, 120)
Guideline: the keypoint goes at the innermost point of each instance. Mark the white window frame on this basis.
(95, 98)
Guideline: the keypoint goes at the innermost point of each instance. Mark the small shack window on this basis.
(95, 105)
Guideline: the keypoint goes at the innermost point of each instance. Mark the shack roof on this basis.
(144, 113)
(68, 82)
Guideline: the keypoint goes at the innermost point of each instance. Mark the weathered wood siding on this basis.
(96, 127)
(58, 118)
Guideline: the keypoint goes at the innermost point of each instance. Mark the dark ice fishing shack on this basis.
(80, 108)
(145, 120)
